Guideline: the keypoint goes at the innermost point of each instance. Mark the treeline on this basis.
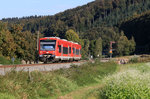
(17, 43)
(95, 14)
(84, 19)
(14, 42)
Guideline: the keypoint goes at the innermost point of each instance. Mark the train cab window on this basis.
(59, 46)
(47, 45)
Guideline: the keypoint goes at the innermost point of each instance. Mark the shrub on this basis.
(133, 60)
(140, 59)
(131, 84)
(6, 61)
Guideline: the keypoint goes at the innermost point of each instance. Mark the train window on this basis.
(59, 46)
(74, 51)
(69, 50)
(65, 50)
(77, 51)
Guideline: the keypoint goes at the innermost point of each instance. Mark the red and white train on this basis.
(56, 49)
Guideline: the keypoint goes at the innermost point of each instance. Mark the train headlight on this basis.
(41, 55)
(53, 56)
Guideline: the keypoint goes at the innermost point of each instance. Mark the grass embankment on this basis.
(37, 85)
(5, 61)
(131, 82)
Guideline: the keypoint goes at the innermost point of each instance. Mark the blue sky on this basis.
(20, 8)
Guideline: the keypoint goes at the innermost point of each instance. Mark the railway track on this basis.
(36, 67)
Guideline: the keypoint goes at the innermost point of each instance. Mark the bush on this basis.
(140, 59)
(131, 84)
(6, 61)
(133, 60)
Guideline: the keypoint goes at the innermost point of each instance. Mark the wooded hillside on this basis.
(105, 19)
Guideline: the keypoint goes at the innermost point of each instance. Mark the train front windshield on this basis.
(47, 45)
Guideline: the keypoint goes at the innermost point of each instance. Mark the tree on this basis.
(16, 31)
(125, 46)
(98, 48)
(7, 45)
(85, 48)
(71, 35)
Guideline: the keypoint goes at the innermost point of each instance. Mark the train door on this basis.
(61, 50)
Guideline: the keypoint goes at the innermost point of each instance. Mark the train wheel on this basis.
(45, 61)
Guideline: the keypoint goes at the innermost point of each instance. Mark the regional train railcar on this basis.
(56, 49)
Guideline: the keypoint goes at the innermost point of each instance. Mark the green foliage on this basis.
(133, 60)
(6, 96)
(88, 73)
(98, 48)
(71, 35)
(85, 48)
(140, 59)
(38, 85)
(130, 84)
(96, 19)
(15, 43)
(7, 46)
(125, 46)
(5, 61)
(53, 84)
(99, 19)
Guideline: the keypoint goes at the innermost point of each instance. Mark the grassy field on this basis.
(46, 85)
(132, 81)
(89, 81)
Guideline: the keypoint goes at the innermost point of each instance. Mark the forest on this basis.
(96, 24)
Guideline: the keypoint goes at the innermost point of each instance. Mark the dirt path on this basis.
(80, 93)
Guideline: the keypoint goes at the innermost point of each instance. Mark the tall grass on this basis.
(6, 96)
(35, 85)
(88, 73)
(133, 83)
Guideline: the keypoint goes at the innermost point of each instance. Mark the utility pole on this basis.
(37, 47)
(38, 40)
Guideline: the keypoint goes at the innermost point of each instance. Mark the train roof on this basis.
(59, 39)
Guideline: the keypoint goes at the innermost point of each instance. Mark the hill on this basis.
(100, 13)
(105, 19)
